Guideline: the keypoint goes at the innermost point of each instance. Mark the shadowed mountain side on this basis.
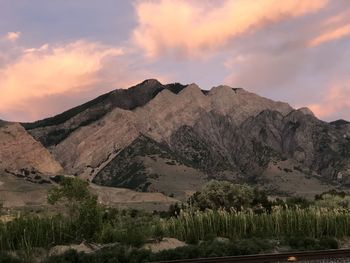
(146, 165)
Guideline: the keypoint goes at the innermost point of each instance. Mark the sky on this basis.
(57, 54)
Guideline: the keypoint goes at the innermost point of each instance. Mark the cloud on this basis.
(334, 103)
(334, 34)
(76, 70)
(13, 36)
(191, 28)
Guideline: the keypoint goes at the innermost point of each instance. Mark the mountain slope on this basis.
(149, 166)
(152, 134)
(93, 145)
(53, 130)
(19, 151)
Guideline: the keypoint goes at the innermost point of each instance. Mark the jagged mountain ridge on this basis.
(93, 145)
(193, 135)
(53, 130)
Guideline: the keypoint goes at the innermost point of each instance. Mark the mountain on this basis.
(53, 130)
(19, 151)
(173, 138)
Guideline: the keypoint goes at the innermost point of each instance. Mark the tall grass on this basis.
(29, 231)
(281, 222)
(26, 232)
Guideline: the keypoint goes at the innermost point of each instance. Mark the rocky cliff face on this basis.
(20, 153)
(53, 130)
(151, 134)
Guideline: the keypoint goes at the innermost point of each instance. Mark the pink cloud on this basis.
(195, 27)
(331, 35)
(31, 83)
(336, 100)
(13, 36)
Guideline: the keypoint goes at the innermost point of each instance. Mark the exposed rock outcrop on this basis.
(20, 151)
(152, 133)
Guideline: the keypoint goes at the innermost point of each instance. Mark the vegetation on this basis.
(220, 220)
(205, 249)
(225, 195)
(280, 223)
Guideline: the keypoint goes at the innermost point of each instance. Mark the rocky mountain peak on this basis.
(221, 90)
(306, 111)
(192, 90)
(150, 82)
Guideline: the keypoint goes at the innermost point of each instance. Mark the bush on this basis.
(83, 207)
(7, 258)
(205, 249)
(225, 195)
(333, 200)
(308, 243)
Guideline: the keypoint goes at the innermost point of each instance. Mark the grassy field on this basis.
(239, 217)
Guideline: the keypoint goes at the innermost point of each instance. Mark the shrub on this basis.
(225, 195)
(7, 258)
(308, 243)
(121, 253)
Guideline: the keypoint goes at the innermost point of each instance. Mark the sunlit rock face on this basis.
(172, 138)
(20, 151)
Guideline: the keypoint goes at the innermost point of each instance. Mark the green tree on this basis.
(83, 207)
(226, 195)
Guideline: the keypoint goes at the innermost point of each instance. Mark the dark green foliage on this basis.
(127, 169)
(70, 190)
(174, 209)
(345, 148)
(215, 249)
(205, 249)
(308, 243)
(225, 195)
(329, 243)
(333, 192)
(298, 201)
(7, 258)
(26, 232)
(82, 206)
(292, 202)
(195, 151)
(262, 154)
(117, 254)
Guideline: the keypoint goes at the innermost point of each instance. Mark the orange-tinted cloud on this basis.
(331, 35)
(194, 27)
(51, 71)
(336, 100)
(13, 36)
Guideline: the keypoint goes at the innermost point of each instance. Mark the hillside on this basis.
(173, 138)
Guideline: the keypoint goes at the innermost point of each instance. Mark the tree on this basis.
(226, 195)
(83, 207)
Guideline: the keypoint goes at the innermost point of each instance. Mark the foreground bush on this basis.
(205, 249)
(225, 195)
(308, 243)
